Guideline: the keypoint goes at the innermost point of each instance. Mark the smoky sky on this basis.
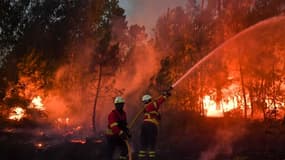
(146, 12)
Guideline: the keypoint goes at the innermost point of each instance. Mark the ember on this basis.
(81, 141)
(39, 145)
(8, 130)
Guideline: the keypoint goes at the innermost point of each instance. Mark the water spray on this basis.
(279, 18)
(189, 71)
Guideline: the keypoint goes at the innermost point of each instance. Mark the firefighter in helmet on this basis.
(149, 130)
(117, 131)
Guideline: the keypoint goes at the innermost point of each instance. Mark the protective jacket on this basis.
(151, 113)
(117, 123)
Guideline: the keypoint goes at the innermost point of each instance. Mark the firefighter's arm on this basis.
(160, 100)
(164, 95)
(125, 134)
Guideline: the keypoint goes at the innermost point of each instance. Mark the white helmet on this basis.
(119, 99)
(146, 98)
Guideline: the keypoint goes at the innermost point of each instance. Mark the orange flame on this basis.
(17, 114)
(210, 107)
(37, 103)
(212, 110)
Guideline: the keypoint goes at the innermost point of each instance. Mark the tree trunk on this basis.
(96, 99)
(219, 7)
(263, 104)
(202, 110)
(219, 97)
(253, 102)
(243, 91)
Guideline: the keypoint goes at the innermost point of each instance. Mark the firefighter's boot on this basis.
(142, 155)
(151, 155)
(123, 157)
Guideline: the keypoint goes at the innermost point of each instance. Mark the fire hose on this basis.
(170, 88)
(142, 108)
(129, 149)
(130, 126)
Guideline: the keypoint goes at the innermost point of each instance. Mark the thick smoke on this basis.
(136, 74)
(70, 101)
(75, 86)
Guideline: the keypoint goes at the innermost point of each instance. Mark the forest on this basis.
(62, 62)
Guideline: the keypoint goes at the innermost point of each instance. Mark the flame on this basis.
(17, 114)
(37, 103)
(81, 141)
(39, 145)
(210, 107)
(67, 120)
(212, 110)
(78, 128)
(64, 121)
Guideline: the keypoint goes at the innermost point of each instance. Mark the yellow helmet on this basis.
(146, 98)
(119, 99)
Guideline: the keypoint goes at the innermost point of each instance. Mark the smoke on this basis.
(146, 12)
(136, 74)
(4, 52)
(73, 91)
(223, 142)
(75, 86)
(69, 102)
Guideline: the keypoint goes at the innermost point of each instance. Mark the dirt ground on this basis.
(207, 139)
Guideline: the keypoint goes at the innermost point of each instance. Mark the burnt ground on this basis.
(203, 139)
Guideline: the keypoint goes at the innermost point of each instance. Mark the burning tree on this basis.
(211, 83)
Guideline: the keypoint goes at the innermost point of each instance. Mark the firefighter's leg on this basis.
(124, 150)
(142, 154)
(152, 142)
(111, 145)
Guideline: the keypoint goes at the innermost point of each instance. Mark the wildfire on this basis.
(17, 113)
(213, 110)
(211, 107)
(37, 103)
(230, 100)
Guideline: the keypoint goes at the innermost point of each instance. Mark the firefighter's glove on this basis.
(166, 93)
(127, 131)
(124, 136)
(129, 135)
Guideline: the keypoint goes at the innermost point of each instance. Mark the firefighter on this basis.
(117, 132)
(149, 130)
